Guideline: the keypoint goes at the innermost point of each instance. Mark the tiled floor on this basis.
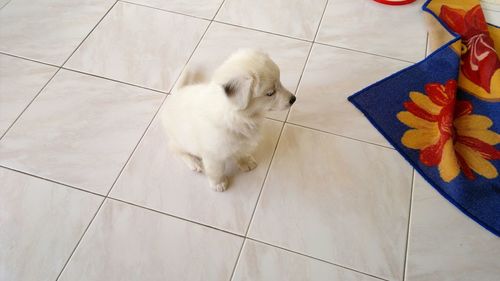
(89, 190)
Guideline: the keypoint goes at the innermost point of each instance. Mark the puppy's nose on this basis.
(292, 99)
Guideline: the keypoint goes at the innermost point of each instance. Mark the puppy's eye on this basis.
(271, 93)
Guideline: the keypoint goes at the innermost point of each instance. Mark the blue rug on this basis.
(443, 113)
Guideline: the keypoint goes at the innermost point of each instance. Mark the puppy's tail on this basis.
(190, 77)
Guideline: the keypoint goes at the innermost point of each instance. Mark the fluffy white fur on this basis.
(211, 123)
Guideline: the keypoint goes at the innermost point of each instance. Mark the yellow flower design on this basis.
(448, 135)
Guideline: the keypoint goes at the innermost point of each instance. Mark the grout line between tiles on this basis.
(273, 119)
(28, 59)
(314, 258)
(164, 10)
(217, 12)
(190, 56)
(427, 45)
(305, 65)
(263, 31)
(238, 259)
(405, 262)
(364, 52)
(5, 4)
(300, 77)
(26, 107)
(174, 216)
(86, 73)
(113, 80)
(81, 238)
(320, 21)
(88, 34)
(338, 135)
(49, 180)
(265, 179)
(297, 87)
(309, 41)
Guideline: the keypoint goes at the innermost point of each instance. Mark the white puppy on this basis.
(212, 123)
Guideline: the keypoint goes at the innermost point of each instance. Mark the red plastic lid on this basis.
(395, 2)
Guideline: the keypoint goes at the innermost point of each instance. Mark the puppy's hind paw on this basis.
(196, 167)
(220, 186)
(194, 163)
(247, 163)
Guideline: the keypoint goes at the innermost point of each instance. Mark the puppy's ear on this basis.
(239, 91)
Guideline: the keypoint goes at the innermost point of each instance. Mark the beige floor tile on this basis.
(80, 130)
(130, 243)
(48, 30)
(40, 224)
(296, 18)
(139, 45)
(394, 31)
(20, 81)
(446, 245)
(198, 8)
(336, 199)
(331, 76)
(260, 262)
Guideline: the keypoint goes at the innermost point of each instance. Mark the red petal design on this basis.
(480, 61)
(436, 92)
(450, 89)
(431, 155)
(445, 120)
(475, 21)
(462, 108)
(454, 18)
(464, 167)
(419, 112)
(487, 151)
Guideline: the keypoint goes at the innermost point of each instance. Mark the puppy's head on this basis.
(251, 81)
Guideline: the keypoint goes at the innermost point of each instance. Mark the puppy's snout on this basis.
(292, 99)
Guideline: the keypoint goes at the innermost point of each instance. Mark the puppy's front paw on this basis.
(247, 163)
(219, 186)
